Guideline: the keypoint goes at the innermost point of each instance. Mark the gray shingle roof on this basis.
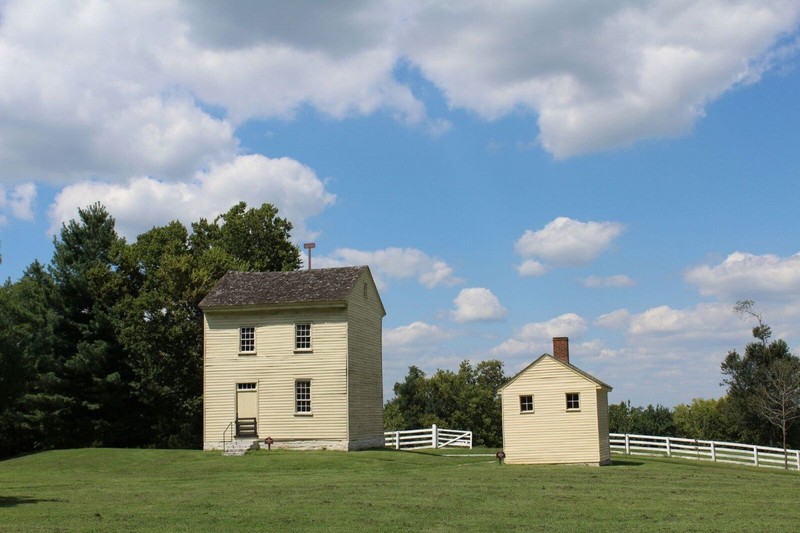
(300, 286)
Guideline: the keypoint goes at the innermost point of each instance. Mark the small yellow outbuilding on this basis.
(553, 412)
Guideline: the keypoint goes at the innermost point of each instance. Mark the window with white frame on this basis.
(302, 396)
(526, 403)
(247, 340)
(573, 401)
(245, 386)
(302, 336)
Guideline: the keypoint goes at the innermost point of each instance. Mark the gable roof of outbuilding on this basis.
(239, 289)
(569, 366)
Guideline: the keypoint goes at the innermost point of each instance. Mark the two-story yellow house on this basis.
(295, 356)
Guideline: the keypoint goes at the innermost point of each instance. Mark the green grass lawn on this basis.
(163, 490)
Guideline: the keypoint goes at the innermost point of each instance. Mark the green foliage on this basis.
(257, 238)
(777, 398)
(466, 399)
(705, 420)
(383, 490)
(104, 347)
(749, 379)
(658, 420)
(91, 365)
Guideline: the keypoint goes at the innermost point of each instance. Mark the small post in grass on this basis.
(268, 441)
(500, 456)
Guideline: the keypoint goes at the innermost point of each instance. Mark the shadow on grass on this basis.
(625, 462)
(13, 501)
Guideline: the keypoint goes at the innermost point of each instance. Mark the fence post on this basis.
(713, 452)
(669, 449)
(797, 453)
(755, 455)
(397, 440)
(434, 436)
(470, 447)
(627, 444)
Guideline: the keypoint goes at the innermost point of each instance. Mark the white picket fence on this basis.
(706, 450)
(432, 437)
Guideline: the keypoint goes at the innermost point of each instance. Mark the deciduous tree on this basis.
(777, 398)
(747, 377)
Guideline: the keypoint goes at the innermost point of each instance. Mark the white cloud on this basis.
(415, 335)
(94, 99)
(536, 337)
(144, 202)
(18, 201)
(565, 243)
(599, 75)
(395, 263)
(566, 325)
(157, 88)
(702, 323)
(743, 275)
(618, 281)
(619, 319)
(531, 267)
(477, 304)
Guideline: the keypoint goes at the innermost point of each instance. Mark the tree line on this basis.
(103, 346)
(760, 407)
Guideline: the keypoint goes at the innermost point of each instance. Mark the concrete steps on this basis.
(239, 447)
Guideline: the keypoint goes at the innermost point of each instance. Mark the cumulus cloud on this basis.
(536, 337)
(415, 335)
(144, 202)
(157, 89)
(17, 201)
(531, 267)
(618, 281)
(477, 304)
(619, 319)
(566, 325)
(742, 275)
(94, 99)
(395, 263)
(599, 75)
(565, 243)
(701, 323)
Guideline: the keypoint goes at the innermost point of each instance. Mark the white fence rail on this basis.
(705, 450)
(432, 437)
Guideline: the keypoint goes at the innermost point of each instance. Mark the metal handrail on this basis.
(224, 441)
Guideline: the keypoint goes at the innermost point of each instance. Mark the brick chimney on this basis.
(561, 349)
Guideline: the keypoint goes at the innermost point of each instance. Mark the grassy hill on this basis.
(164, 490)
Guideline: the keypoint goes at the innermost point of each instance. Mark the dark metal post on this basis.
(309, 246)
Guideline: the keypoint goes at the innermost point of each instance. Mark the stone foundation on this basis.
(365, 444)
(309, 444)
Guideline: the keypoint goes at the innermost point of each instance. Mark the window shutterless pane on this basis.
(247, 339)
(573, 400)
(526, 403)
(302, 396)
(302, 336)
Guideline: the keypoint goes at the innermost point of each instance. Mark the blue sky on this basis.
(619, 173)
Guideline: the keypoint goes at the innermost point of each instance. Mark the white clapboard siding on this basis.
(365, 374)
(275, 367)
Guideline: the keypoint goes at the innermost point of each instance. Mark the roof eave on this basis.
(337, 304)
(599, 384)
